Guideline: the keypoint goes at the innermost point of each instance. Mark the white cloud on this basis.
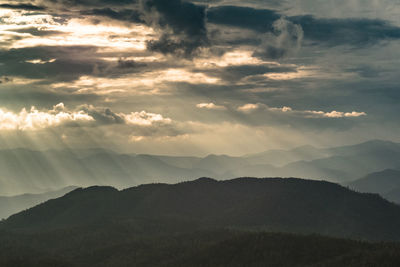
(35, 119)
(210, 106)
(144, 118)
(248, 108)
(337, 114)
(322, 114)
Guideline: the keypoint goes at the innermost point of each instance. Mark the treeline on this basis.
(120, 245)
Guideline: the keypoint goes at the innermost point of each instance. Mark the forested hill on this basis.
(273, 204)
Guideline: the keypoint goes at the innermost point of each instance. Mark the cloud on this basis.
(285, 39)
(138, 123)
(36, 120)
(333, 114)
(331, 31)
(355, 31)
(78, 60)
(130, 15)
(42, 31)
(144, 118)
(181, 25)
(28, 7)
(107, 116)
(5, 79)
(63, 63)
(249, 108)
(86, 3)
(260, 20)
(210, 106)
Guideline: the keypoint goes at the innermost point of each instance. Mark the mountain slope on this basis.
(292, 205)
(378, 182)
(13, 204)
(347, 162)
(385, 183)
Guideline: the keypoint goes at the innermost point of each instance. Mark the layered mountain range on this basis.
(28, 171)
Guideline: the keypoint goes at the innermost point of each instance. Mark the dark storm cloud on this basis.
(286, 39)
(184, 21)
(130, 15)
(28, 7)
(245, 17)
(346, 31)
(90, 2)
(333, 32)
(181, 24)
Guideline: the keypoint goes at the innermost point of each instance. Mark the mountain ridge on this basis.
(96, 166)
(274, 204)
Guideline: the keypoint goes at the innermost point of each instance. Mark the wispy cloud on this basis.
(249, 108)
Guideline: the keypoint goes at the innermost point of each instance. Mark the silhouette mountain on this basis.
(273, 204)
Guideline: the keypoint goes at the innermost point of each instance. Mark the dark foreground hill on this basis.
(274, 204)
(205, 223)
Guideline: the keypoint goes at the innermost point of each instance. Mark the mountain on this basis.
(220, 164)
(27, 171)
(205, 223)
(181, 162)
(346, 162)
(13, 204)
(337, 164)
(283, 157)
(274, 204)
(379, 147)
(386, 183)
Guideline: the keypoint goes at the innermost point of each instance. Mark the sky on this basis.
(198, 77)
